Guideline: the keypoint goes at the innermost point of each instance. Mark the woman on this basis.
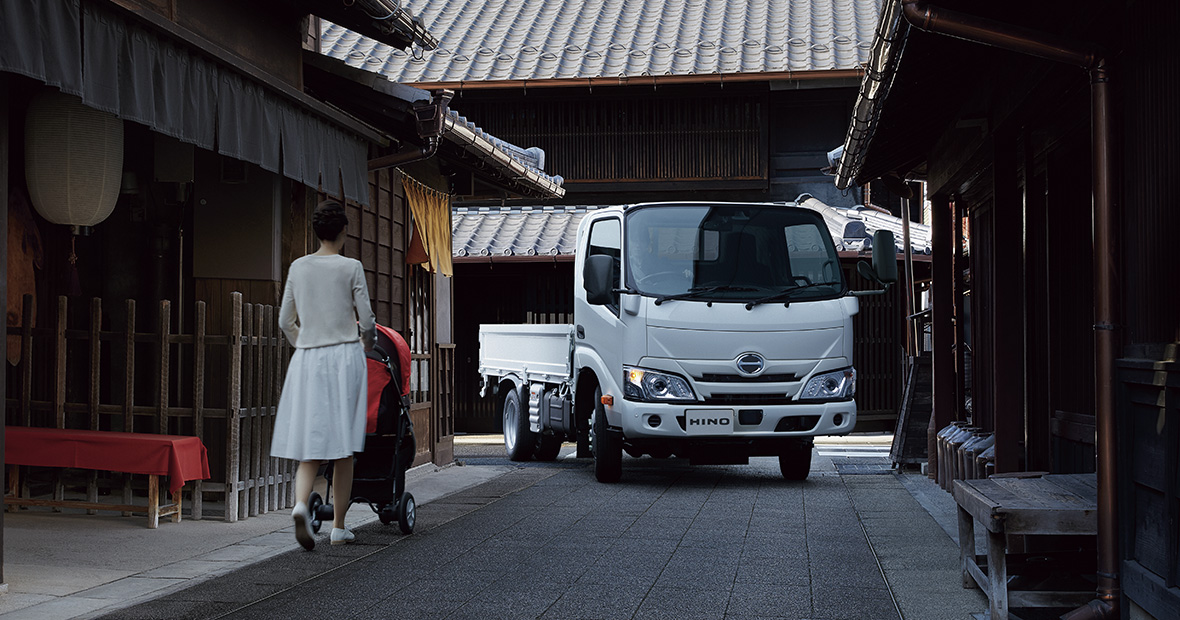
(321, 414)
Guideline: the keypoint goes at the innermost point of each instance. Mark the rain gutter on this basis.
(648, 80)
(874, 88)
(1106, 337)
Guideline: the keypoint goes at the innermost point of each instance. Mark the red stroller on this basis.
(379, 472)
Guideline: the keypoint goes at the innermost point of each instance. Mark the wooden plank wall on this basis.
(661, 136)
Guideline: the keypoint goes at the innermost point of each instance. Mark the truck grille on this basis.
(748, 399)
(769, 378)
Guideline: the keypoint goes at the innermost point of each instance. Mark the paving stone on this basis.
(764, 600)
(665, 603)
(852, 603)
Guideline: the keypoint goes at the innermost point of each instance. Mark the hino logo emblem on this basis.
(709, 422)
(750, 364)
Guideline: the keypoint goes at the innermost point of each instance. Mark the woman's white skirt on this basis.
(322, 407)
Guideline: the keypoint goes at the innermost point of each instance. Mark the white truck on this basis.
(709, 331)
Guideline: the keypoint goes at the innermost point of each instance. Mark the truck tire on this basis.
(519, 440)
(548, 446)
(607, 446)
(795, 461)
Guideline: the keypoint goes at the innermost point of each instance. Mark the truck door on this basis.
(598, 329)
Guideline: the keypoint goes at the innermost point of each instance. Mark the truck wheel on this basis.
(548, 446)
(795, 461)
(607, 446)
(519, 441)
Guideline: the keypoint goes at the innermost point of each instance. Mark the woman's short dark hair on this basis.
(328, 220)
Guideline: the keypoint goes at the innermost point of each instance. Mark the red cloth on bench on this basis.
(178, 457)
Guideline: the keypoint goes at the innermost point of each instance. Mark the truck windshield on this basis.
(737, 253)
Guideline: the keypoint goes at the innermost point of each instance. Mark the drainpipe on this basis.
(428, 119)
(1106, 339)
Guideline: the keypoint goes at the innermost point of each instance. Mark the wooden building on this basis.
(144, 298)
(1050, 130)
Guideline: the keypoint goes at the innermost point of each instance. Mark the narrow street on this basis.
(670, 541)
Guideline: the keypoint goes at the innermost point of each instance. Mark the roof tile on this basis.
(545, 39)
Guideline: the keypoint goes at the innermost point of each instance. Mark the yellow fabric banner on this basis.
(432, 217)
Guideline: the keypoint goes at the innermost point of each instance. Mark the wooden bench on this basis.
(1056, 504)
(178, 457)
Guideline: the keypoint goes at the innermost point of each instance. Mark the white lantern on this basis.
(73, 160)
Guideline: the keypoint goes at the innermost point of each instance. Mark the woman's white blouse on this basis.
(323, 301)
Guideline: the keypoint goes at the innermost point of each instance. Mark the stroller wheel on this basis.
(386, 515)
(313, 506)
(405, 513)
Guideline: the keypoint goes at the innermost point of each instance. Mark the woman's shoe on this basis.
(341, 536)
(303, 532)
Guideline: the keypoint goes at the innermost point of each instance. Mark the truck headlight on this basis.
(837, 385)
(654, 386)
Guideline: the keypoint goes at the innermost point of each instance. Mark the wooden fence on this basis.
(223, 388)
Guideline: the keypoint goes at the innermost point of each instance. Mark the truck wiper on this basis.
(786, 293)
(698, 291)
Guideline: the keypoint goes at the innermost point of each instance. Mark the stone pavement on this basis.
(547, 541)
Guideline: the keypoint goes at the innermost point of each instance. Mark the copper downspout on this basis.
(1049, 47)
(405, 156)
(429, 123)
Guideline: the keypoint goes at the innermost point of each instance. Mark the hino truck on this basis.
(709, 331)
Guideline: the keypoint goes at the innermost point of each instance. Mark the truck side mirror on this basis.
(597, 279)
(884, 261)
(884, 268)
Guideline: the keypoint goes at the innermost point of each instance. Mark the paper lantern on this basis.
(73, 160)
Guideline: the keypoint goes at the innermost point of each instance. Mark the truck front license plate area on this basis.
(708, 421)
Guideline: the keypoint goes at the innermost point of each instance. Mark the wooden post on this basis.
(26, 358)
(59, 381)
(959, 211)
(233, 484)
(253, 317)
(165, 366)
(198, 397)
(129, 389)
(268, 498)
(942, 318)
(153, 501)
(286, 466)
(1008, 351)
(95, 350)
(95, 353)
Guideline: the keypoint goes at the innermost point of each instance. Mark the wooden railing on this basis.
(240, 372)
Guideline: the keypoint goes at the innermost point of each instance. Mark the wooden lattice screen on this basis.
(90, 378)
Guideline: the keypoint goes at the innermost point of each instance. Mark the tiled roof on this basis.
(516, 231)
(552, 231)
(851, 226)
(524, 164)
(487, 40)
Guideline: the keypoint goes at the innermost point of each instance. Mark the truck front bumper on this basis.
(679, 421)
